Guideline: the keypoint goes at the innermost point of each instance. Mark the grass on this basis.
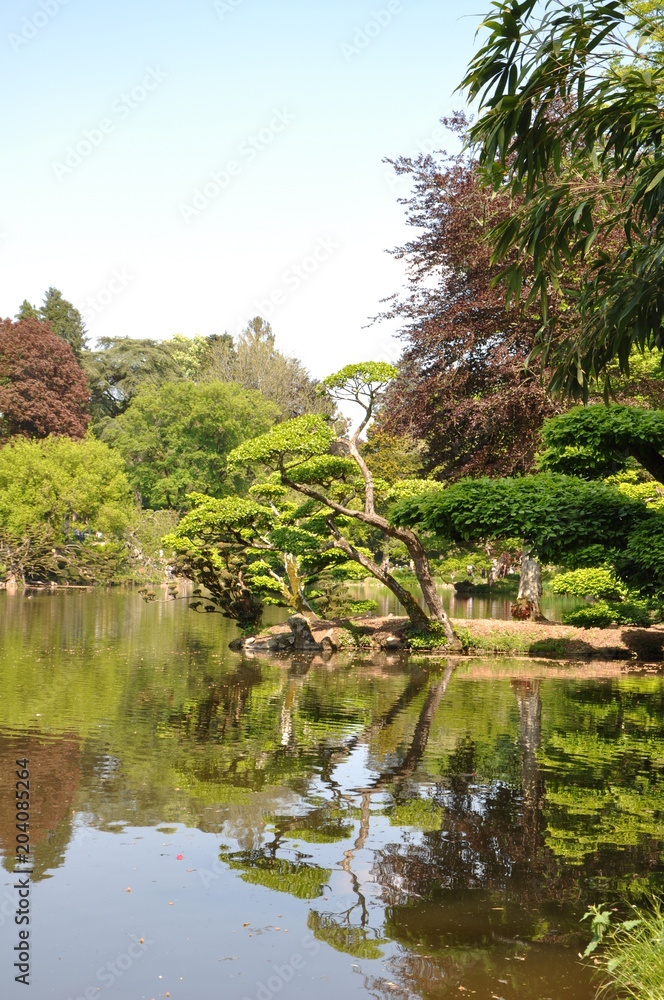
(498, 642)
(633, 956)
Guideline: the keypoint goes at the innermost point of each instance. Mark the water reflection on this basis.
(483, 605)
(416, 829)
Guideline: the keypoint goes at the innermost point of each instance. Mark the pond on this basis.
(210, 827)
(486, 604)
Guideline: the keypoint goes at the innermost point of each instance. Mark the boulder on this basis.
(302, 636)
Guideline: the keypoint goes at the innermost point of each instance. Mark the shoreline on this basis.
(480, 637)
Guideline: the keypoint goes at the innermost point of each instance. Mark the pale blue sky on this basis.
(115, 112)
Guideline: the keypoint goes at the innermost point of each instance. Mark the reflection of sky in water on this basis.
(380, 832)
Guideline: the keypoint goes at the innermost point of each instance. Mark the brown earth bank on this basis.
(478, 636)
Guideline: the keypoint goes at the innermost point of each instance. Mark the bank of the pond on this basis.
(477, 636)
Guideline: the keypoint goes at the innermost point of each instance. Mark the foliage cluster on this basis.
(632, 956)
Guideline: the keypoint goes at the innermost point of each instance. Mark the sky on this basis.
(179, 166)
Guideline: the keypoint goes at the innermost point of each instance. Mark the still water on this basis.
(487, 605)
(210, 827)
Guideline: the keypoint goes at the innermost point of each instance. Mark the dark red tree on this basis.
(464, 386)
(43, 389)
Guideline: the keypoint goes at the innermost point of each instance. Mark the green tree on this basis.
(26, 311)
(571, 101)
(563, 520)
(120, 367)
(308, 456)
(51, 489)
(598, 440)
(194, 354)
(255, 363)
(174, 438)
(65, 320)
(247, 552)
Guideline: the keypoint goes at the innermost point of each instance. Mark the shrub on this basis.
(431, 638)
(601, 614)
(598, 581)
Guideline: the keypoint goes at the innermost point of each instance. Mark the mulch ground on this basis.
(566, 641)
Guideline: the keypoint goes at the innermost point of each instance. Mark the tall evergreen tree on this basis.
(65, 320)
(26, 311)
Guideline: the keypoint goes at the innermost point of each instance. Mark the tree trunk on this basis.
(415, 550)
(411, 606)
(427, 585)
(527, 604)
(650, 459)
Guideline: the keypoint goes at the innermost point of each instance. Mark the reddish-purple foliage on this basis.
(43, 389)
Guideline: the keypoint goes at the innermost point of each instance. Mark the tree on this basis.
(300, 453)
(121, 366)
(598, 440)
(26, 311)
(194, 354)
(64, 319)
(51, 489)
(174, 438)
(255, 363)
(246, 552)
(575, 133)
(42, 387)
(563, 520)
(463, 384)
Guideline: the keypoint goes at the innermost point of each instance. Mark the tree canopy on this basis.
(255, 363)
(61, 482)
(564, 520)
(463, 385)
(175, 438)
(557, 514)
(120, 367)
(598, 440)
(52, 489)
(571, 123)
(64, 319)
(43, 389)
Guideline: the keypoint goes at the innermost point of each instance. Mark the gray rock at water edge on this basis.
(303, 639)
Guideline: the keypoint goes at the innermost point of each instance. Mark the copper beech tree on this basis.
(463, 385)
(43, 389)
(474, 382)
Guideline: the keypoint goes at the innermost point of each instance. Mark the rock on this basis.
(328, 645)
(302, 637)
(393, 642)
